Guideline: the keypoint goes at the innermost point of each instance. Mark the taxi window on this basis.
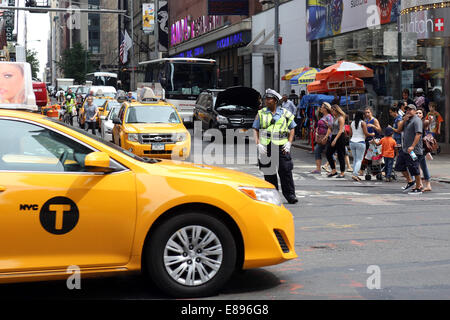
(28, 147)
(152, 114)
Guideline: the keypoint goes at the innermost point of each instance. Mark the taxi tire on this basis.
(154, 255)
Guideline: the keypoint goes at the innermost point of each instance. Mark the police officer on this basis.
(274, 133)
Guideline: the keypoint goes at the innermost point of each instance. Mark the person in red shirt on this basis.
(435, 120)
(387, 151)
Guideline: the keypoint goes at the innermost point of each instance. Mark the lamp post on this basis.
(276, 44)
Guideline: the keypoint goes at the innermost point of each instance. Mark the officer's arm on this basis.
(256, 135)
(291, 135)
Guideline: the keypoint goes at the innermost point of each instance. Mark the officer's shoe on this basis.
(293, 200)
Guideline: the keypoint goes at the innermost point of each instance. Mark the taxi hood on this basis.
(188, 170)
(154, 127)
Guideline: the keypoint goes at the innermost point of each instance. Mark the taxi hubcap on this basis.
(193, 255)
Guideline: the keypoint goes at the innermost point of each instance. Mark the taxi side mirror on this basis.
(116, 120)
(98, 162)
(101, 109)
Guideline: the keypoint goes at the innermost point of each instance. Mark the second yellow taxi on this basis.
(151, 128)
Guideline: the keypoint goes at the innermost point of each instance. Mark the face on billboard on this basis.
(12, 84)
(16, 88)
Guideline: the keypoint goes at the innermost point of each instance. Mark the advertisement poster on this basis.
(163, 23)
(148, 17)
(327, 18)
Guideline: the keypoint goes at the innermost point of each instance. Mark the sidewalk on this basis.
(439, 167)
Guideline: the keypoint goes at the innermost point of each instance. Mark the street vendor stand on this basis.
(311, 103)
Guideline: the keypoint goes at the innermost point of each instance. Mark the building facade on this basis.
(294, 49)
(366, 32)
(193, 33)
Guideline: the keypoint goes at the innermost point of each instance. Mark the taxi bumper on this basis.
(268, 234)
(175, 151)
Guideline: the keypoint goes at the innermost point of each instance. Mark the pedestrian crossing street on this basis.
(316, 186)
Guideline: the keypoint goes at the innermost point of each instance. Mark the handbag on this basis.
(429, 143)
(320, 139)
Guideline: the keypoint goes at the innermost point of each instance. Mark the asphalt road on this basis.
(355, 240)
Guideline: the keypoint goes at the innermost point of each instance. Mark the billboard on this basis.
(427, 24)
(327, 18)
(163, 26)
(228, 7)
(148, 17)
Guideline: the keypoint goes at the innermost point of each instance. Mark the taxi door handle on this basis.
(2, 188)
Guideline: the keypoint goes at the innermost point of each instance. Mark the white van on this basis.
(108, 91)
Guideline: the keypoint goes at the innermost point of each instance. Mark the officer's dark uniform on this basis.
(273, 133)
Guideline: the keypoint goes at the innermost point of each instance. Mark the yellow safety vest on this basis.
(277, 133)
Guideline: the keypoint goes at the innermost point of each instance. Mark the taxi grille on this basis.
(157, 151)
(281, 241)
(156, 138)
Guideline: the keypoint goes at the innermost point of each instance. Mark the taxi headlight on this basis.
(263, 194)
(180, 137)
(134, 137)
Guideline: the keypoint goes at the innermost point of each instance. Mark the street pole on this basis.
(276, 56)
(132, 82)
(399, 54)
(156, 30)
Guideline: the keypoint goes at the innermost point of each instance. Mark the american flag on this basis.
(125, 45)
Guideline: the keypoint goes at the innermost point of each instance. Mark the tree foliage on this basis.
(75, 63)
(31, 57)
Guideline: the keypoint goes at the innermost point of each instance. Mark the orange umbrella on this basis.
(335, 82)
(345, 68)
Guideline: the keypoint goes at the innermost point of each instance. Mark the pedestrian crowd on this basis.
(403, 147)
(72, 106)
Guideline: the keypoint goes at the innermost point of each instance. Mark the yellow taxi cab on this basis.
(151, 128)
(98, 101)
(103, 110)
(188, 226)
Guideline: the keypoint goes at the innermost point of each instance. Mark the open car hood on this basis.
(243, 96)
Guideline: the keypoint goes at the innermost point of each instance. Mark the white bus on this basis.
(182, 80)
(102, 79)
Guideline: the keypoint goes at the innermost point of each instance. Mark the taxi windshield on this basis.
(112, 105)
(98, 102)
(109, 144)
(152, 114)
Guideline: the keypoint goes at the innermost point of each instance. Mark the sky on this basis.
(37, 33)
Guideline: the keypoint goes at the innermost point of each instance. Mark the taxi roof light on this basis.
(147, 94)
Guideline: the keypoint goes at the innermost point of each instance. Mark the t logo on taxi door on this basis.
(59, 215)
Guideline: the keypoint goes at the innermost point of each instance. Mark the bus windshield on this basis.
(182, 80)
(188, 79)
(102, 79)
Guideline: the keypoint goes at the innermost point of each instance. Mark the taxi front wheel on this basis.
(191, 255)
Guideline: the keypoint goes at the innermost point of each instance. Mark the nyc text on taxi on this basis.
(151, 128)
(67, 198)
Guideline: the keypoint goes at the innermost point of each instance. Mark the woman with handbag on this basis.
(422, 158)
(322, 133)
(337, 142)
(358, 134)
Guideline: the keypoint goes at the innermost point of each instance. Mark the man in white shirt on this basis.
(288, 104)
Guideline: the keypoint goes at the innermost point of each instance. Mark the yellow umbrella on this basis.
(293, 73)
(305, 77)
